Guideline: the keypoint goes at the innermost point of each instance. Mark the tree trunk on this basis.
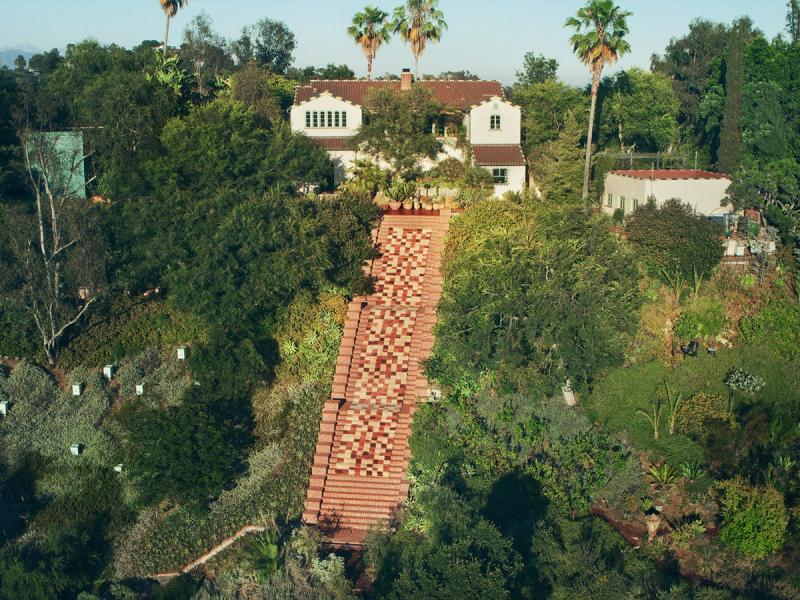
(51, 359)
(587, 167)
(369, 68)
(166, 36)
(416, 66)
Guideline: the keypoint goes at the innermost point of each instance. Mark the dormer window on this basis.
(325, 119)
(494, 122)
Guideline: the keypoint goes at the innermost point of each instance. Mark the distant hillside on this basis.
(8, 55)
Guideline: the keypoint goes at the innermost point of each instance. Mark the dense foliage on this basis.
(673, 241)
(397, 128)
(534, 287)
(753, 518)
(204, 234)
(209, 232)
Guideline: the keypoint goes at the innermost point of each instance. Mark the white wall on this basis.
(516, 180)
(449, 150)
(342, 161)
(326, 102)
(704, 195)
(478, 125)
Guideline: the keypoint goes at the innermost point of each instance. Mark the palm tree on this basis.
(370, 30)
(599, 38)
(419, 22)
(170, 8)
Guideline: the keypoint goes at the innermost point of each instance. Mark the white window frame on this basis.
(494, 122)
(622, 203)
(610, 200)
(326, 119)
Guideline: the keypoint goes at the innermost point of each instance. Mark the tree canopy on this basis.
(674, 240)
(397, 128)
(535, 287)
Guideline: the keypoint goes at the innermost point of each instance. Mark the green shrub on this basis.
(164, 377)
(308, 338)
(754, 518)
(672, 239)
(273, 486)
(699, 412)
(450, 171)
(128, 328)
(187, 452)
(159, 541)
(777, 326)
(17, 332)
(705, 319)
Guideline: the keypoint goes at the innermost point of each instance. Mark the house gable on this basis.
(325, 115)
(494, 121)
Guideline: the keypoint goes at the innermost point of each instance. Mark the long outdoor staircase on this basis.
(358, 479)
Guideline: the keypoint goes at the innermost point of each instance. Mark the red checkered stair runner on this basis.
(358, 479)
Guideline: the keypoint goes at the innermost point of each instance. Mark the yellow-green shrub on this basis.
(130, 328)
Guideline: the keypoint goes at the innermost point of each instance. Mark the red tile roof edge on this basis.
(666, 174)
(501, 155)
(357, 90)
(332, 142)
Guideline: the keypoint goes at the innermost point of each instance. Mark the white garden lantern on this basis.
(4, 406)
(108, 372)
(140, 389)
(182, 353)
(77, 389)
(76, 449)
(118, 468)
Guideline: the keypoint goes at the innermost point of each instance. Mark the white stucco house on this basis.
(330, 112)
(705, 191)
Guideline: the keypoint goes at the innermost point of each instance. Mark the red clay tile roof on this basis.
(333, 143)
(459, 94)
(669, 174)
(501, 155)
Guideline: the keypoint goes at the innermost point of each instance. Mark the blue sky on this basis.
(487, 37)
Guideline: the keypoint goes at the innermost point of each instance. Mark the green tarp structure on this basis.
(63, 160)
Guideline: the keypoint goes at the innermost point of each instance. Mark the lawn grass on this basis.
(622, 391)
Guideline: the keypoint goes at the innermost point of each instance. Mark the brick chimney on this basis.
(406, 78)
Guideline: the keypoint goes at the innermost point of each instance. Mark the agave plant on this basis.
(263, 553)
(400, 190)
(691, 470)
(786, 463)
(663, 474)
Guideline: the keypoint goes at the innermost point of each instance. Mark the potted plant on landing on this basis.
(394, 193)
(400, 191)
